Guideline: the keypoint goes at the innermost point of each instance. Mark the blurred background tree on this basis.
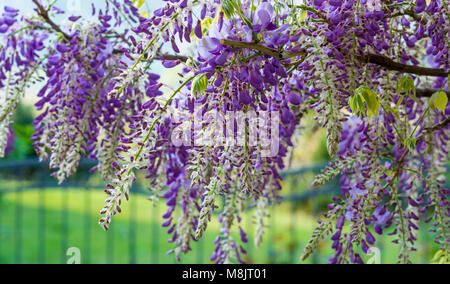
(22, 130)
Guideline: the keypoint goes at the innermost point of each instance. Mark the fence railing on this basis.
(40, 220)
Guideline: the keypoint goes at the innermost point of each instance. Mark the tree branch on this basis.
(379, 60)
(408, 12)
(312, 10)
(436, 127)
(439, 126)
(161, 56)
(427, 92)
(171, 57)
(44, 14)
(263, 49)
(390, 64)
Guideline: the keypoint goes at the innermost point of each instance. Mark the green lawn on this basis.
(32, 226)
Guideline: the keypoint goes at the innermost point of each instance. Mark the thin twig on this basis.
(390, 64)
(263, 49)
(427, 92)
(379, 60)
(438, 126)
(44, 14)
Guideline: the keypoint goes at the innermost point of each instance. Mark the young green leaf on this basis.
(439, 101)
(361, 106)
(393, 111)
(352, 104)
(199, 84)
(138, 3)
(411, 143)
(407, 85)
(371, 99)
(229, 8)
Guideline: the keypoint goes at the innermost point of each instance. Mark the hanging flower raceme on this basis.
(248, 74)
(18, 64)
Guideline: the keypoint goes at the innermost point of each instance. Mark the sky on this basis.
(83, 8)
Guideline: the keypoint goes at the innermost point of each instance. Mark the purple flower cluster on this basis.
(19, 50)
(8, 19)
(346, 61)
(10, 143)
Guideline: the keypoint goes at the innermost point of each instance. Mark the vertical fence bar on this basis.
(155, 235)
(250, 233)
(41, 225)
(292, 246)
(64, 224)
(316, 210)
(200, 252)
(3, 237)
(41, 219)
(110, 245)
(19, 237)
(426, 240)
(1, 222)
(18, 227)
(132, 229)
(87, 227)
(271, 249)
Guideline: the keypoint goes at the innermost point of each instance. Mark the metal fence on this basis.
(38, 222)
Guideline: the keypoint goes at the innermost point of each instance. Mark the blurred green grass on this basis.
(39, 229)
(45, 214)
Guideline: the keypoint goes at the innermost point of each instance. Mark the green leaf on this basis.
(439, 100)
(399, 102)
(199, 84)
(438, 255)
(407, 85)
(229, 8)
(360, 105)
(371, 99)
(393, 111)
(138, 3)
(232, 8)
(303, 15)
(206, 23)
(357, 105)
(416, 99)
(411, 143)
(353, 105)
